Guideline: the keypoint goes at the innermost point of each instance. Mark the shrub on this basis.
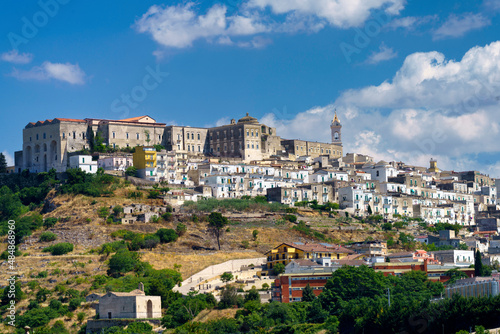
(103, 212)
(59, 249)
(291, 218)
(167, 216)
(131, 171)
(47, 236)
(49, 222)
(180, 229)
(117, 209)
(245, 244)
(167, 235)
(153, 194)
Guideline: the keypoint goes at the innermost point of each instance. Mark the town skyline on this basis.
(420, 84)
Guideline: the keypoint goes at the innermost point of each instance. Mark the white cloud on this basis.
(339, 13)
(8, 158)
(15, 57)
(459, 25)
(411, 22)
(432, 107)
(179, 26)
(383, 54)
(63, 72)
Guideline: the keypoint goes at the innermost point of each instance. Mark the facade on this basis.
(474, 287)
(145, 162)
(129, 305)
(83, 162)
(47, 144)
(285, 253)
(116, 162)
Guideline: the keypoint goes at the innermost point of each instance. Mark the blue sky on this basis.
(410, 80)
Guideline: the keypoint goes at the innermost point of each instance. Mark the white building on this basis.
(84, 162)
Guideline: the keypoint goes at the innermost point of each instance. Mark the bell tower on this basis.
(336, 128)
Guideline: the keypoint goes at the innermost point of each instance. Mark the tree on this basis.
(254, 234)
(226, 277)
(478, 264)
(131, 171)
(308, 294)
(122, 262)
(3, 163)
(454, 275)
(370, 212)
(253, 294)
(279, 268)
(216, 224)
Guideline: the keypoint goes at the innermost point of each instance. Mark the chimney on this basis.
(141, 286)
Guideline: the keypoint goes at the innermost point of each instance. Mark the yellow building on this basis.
(285, 253)
(433, 167)
(145, 157)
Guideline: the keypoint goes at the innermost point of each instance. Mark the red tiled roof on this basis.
(135, 119)
(69, 120)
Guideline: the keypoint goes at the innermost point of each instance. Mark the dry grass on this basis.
(193, 263)
(210, 315)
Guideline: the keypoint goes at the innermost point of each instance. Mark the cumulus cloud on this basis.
(432, 107)
(339, 13)
(69, 73)
(179, 26)
(459, 25)
(383, 54)
(8, 158)
(15, 57)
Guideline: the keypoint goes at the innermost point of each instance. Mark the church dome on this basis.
(248, 119)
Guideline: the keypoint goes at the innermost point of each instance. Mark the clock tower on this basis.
(336, 128)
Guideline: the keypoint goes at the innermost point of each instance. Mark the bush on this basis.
(167, 235)
(131, 171)
(103, 212)
(180, 229)
(49, 222)
(59, 249)
(291, 218)
(167, 216)
(47, 236)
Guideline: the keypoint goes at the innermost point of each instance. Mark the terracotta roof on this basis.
(135, 119)
(69, 120)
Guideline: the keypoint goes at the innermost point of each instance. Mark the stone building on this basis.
(246, 139)
(47, 144)
(129, 305)
(187, 140)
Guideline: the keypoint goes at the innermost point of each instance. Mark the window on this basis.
(137, 135)
(198, 136)
(44, 135)
(127, 135)
(74, 135)
(199, 148)
(64, 136)
(114, 135)
(248, 133)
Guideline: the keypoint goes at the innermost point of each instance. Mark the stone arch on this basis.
(45, 147)
(28, 160)
(149, 307)
(53, 152)
(37, 148)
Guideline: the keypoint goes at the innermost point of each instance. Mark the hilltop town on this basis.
(234, 212)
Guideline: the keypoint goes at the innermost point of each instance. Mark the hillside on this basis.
(80, 222)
